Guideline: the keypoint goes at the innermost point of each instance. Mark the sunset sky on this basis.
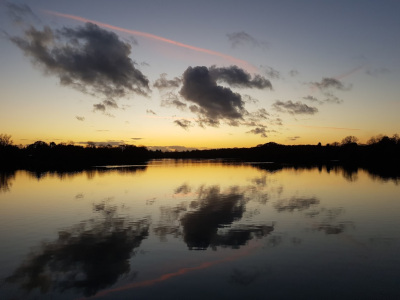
(199, 74)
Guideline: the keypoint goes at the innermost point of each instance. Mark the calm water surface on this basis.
(199, 230)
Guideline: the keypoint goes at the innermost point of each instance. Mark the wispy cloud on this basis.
(150, 111)
(226, 57)
(21, 13)
(80, 118)
(185, 124)
(163, 83)
(244, 39)
(294, 107)
(270, 72)
(259, 130)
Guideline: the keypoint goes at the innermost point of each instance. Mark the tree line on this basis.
(379, 151)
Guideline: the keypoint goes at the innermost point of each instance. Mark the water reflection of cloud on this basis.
(244, 277)
(295, 204)
(334, 228)
(87, 257)
(209, 220)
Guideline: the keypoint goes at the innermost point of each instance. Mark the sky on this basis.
(199, 74)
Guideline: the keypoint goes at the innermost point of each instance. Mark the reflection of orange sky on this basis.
(244, 251)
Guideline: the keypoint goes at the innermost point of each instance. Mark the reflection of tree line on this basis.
(6, 177)
(349, 172)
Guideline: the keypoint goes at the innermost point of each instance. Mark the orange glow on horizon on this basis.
(249, 67)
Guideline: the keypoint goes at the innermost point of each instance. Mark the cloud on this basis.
(87, 58)
(242, 38)
(296, 204)
(212, 103)
(258, 115)
(293, 138)
(226, 57)
(79, 118)
(164, 83)
(136, 138)
(99, 107)
(171, 148)
(185, 124)
(173, 100)
(330, 83)
(293, 73)
(20, 13)
(151, 112)
(259, 130)
(312, 99)
(271, 72)
(236, 77)
(330, 98)
(377, 71)
(103, 143)
(294, 108)
(249, 99)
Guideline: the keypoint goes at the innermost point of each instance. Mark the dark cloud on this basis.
(102, 106)
(149, 111)
(271, 72)
(259, 130)
(79, 118)
(242, 38)
(212, 103)
(330, 83)
(294, 108)
(185, 124)
(164, 83)
(20, 13)
(136, 138)
(99, 107)
(293, 73)
(87, 58)
(236, 77)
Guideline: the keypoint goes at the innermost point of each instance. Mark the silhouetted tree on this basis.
(348, 140)
(5, 140)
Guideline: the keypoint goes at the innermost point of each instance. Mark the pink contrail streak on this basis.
(179, 272)
(249, 67)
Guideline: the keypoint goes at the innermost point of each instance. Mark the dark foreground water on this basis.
(199, 230)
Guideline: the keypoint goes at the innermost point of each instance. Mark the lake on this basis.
(187, 229)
